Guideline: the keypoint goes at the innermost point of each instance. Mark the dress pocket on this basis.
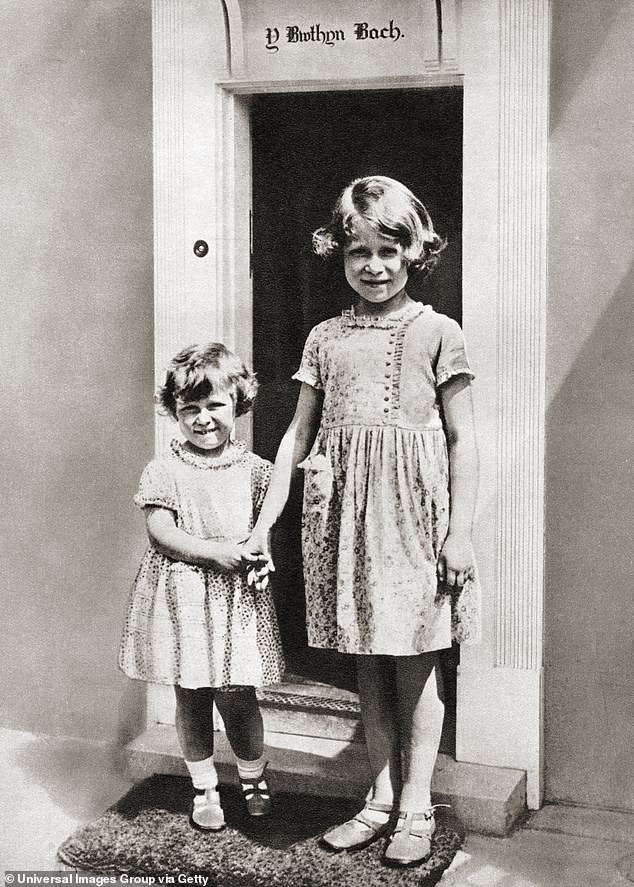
(318, 478)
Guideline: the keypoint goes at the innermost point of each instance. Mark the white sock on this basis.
(251, 769)
(203, 774)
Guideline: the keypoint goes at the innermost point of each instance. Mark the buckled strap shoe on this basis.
(257, 794)
(207, 814)
(410, 842)
(358, 832)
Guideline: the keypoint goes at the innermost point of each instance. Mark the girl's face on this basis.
(375, 265)
(207, 423)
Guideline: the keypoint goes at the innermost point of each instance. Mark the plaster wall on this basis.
(77, 340)
(590, 428)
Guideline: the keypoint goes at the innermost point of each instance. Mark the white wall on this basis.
(77, 338)
(590, 422)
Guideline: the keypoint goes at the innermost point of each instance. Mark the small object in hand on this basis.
(259, 577)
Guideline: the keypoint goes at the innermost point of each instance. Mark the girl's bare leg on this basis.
(377, 692)
(242, 718)
(376, 695)
(195, 730)
(420, 718)
(194, 722)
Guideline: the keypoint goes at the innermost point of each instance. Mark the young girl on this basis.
(383, 428)
(193, 619)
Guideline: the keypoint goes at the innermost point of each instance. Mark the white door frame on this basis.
(202, 192)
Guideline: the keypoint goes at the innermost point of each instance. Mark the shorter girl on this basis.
(193, 619)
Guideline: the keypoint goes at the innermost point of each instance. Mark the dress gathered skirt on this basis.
(376, 486)
(197, 626)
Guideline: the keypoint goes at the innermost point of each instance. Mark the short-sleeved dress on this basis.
(376, 486)
(195, 626)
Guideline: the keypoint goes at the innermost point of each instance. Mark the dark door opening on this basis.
(306, 148)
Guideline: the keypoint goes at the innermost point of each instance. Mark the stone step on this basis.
(486, 799)
(303, 710)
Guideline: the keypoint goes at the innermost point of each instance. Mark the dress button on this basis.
(386, 398)
(385, 410)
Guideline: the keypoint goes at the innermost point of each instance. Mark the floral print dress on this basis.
(196, 626)
(376, 485)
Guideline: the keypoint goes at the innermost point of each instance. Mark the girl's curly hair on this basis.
(390, 208)
(200, 370)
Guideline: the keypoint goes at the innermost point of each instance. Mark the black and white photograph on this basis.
(318, 344)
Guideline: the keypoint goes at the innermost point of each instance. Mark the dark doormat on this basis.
(148, 832)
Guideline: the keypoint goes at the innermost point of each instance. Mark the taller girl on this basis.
(384, 430)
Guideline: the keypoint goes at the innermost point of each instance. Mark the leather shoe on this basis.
(358, 832)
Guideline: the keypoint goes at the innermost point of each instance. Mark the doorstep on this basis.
(314, 744)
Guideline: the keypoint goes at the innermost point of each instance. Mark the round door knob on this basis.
(201, 248)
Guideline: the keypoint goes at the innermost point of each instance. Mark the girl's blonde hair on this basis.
(200, 370)
(390, 208)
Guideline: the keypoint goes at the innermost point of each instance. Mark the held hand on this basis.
(257, 550)
(456, 561)
(226, 556)
(256, 554)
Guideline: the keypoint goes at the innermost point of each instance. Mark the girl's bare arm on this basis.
(173, 542)
(457, 560)
(294, 447)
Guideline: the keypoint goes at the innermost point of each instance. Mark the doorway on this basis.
(305, 148)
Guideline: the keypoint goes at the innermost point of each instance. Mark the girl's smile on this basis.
(207, 423)
(375, 265)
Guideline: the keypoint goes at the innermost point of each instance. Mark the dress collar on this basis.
(408, 312)
(234, 452)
